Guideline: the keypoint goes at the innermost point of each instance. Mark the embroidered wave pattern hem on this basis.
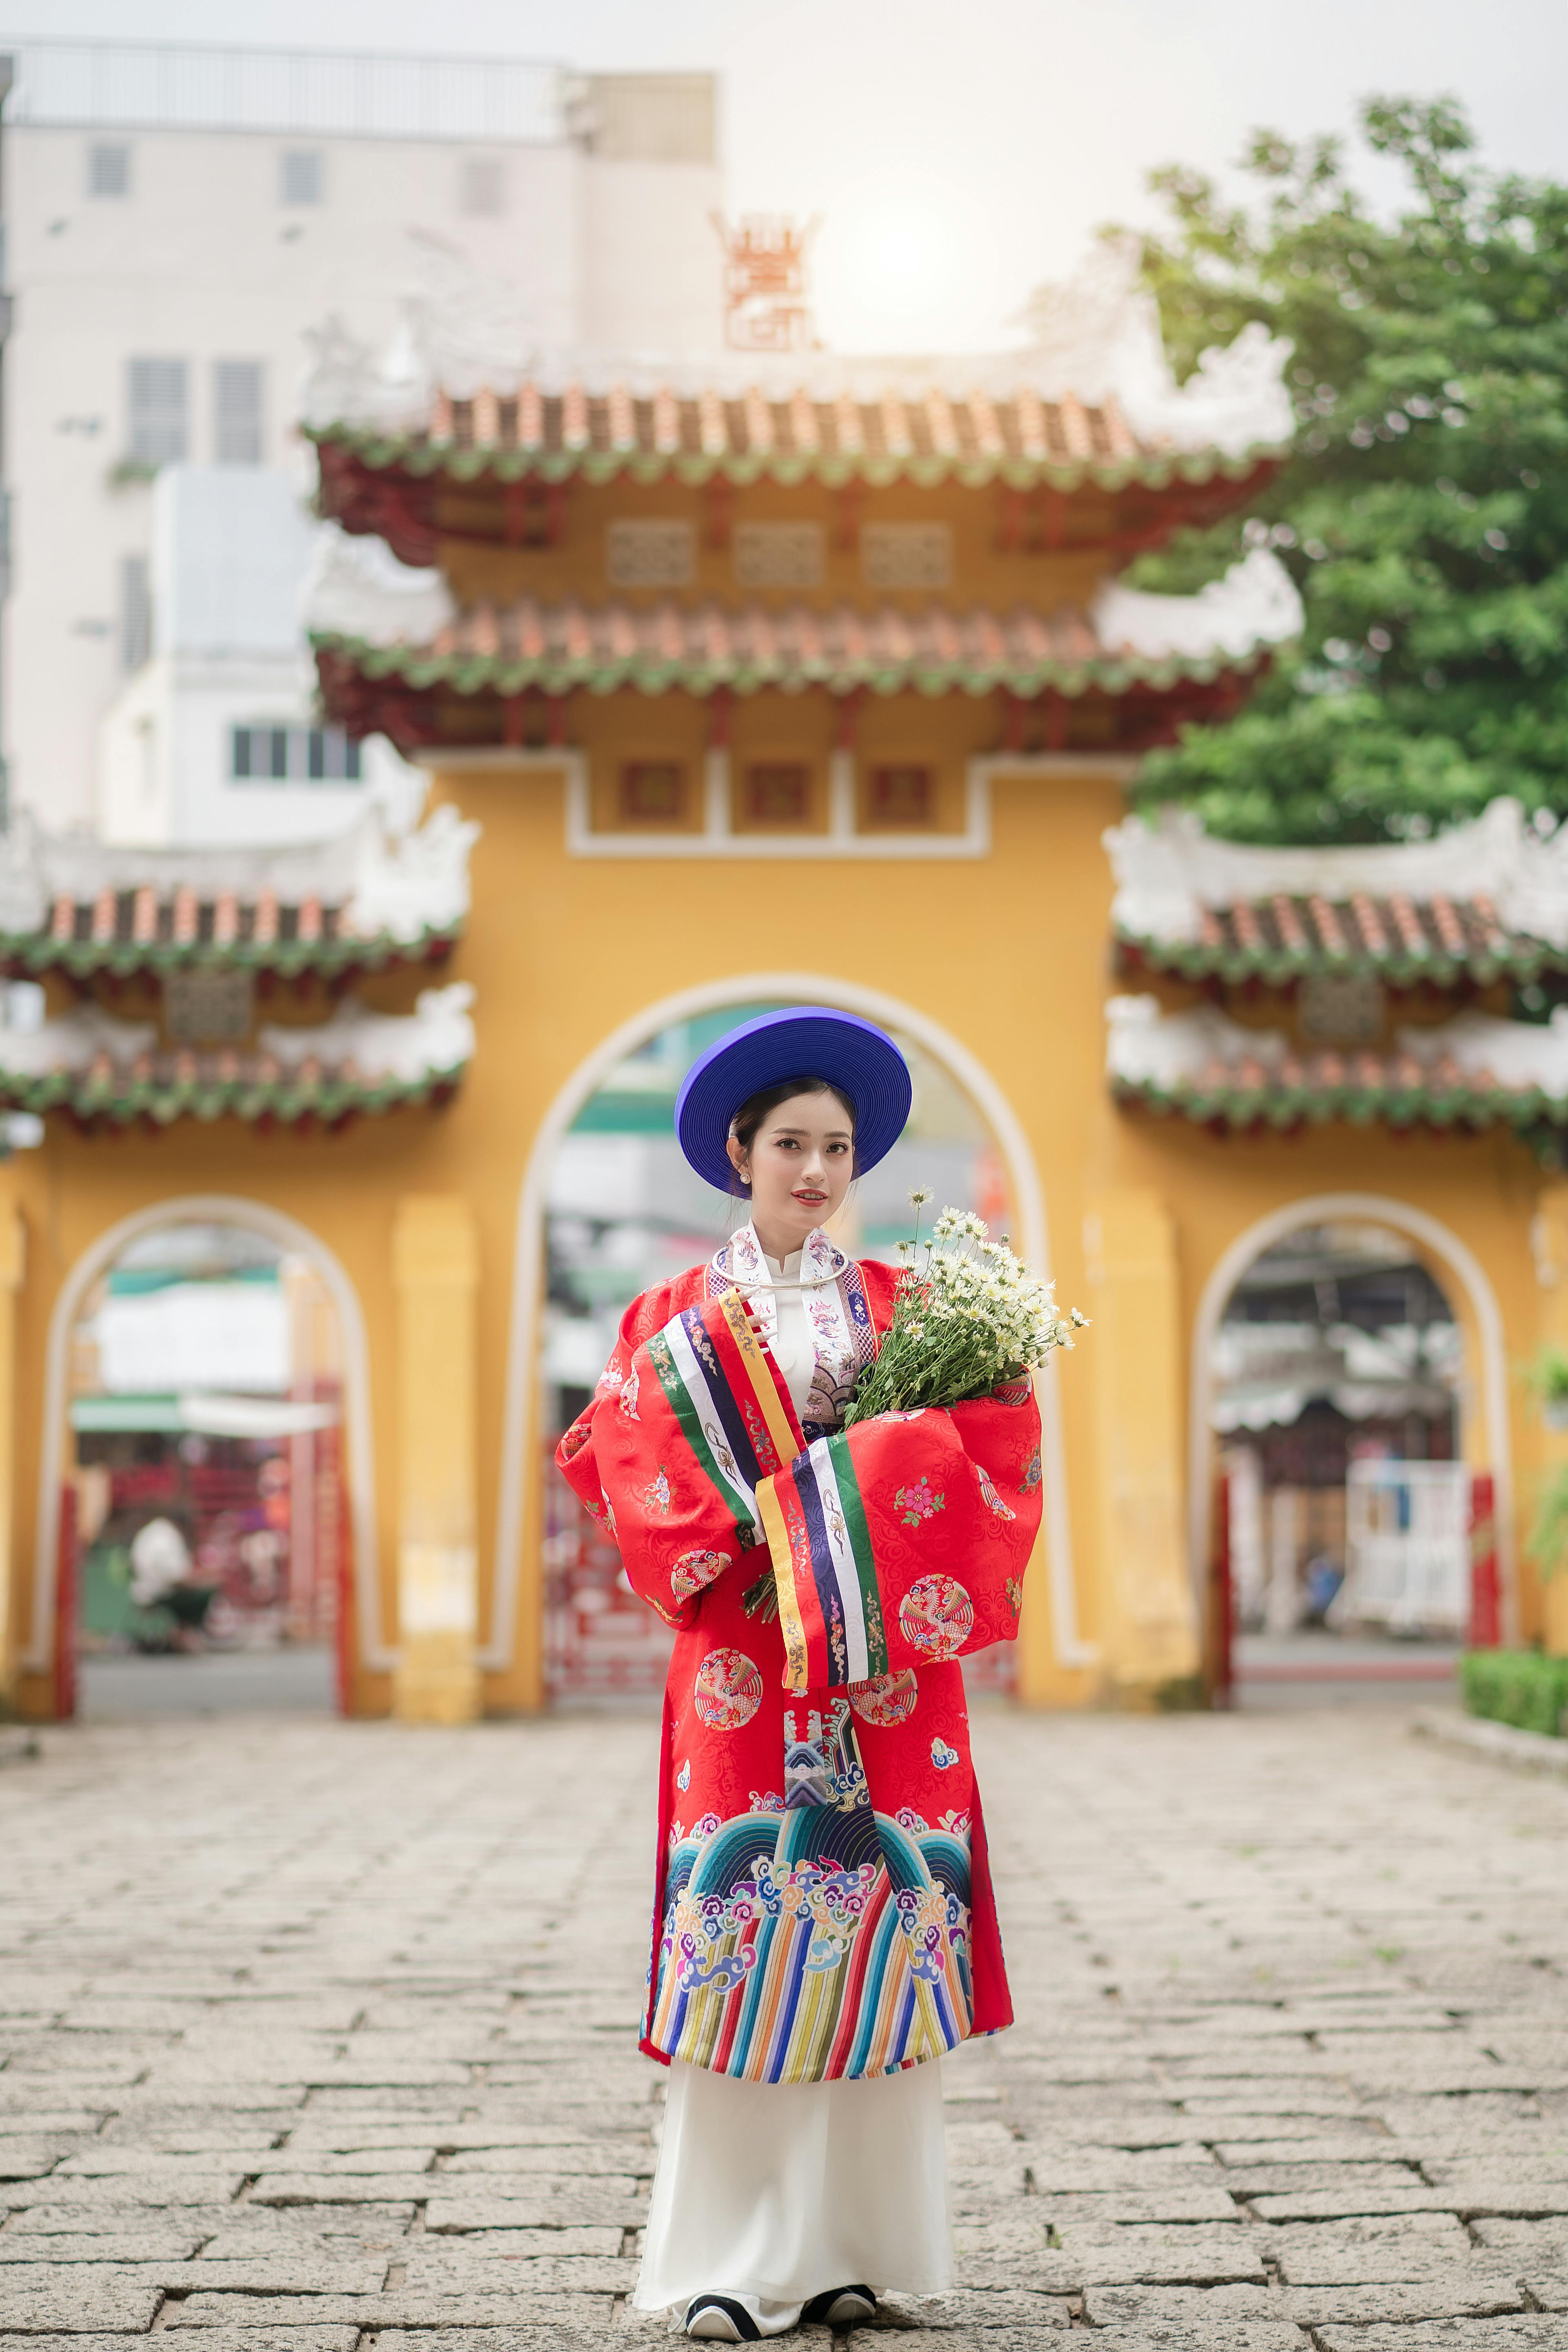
(831, 1942)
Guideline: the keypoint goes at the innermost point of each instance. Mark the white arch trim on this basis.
(231, 1209)
(807, 987)
(1377, 1208)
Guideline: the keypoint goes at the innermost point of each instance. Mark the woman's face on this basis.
(799, 1167)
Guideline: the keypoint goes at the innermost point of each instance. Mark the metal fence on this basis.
(153, 85)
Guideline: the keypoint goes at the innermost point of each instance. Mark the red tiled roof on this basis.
(1284, 938)
(755, 425)
(154, 1089)
(1236, 1091)
(527, 644)
(147, 928)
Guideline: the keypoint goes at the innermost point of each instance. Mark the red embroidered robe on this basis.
(823, 1904)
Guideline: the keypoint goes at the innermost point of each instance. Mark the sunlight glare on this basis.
(899, 265)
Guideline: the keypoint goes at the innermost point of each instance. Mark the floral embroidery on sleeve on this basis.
(916, 1503)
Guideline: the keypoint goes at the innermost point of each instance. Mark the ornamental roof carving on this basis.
(1470, 1074)
(360, 902)
(1481, 900)
(465, 387)
(112, 1074)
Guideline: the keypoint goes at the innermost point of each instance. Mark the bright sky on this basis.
(961, 155)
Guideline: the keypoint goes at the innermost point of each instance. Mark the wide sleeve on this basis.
(904, 1540)
(687, 1415)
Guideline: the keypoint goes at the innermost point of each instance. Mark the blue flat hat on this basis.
(805, 1042)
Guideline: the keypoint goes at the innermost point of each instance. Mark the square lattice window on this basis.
(775, 797)
(651, 555)
(652, 793)
(779, 554)
(907, 555)
(901, 799)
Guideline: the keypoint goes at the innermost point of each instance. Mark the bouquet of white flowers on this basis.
(968, 1315)
(965, 1318)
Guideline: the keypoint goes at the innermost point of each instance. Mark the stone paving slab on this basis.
(1318, 2306)
(1525, 2334)
(1290, 2068)
(392, 2309)
(77, 2306)
(974, 2336)
(266, 2337)
(942, 2314)
(152, 2186)
(562, 2336)
(339, 2188)
(1354, 2202)
(1203, 2335)
(1114, 2307)
(569, 2209)
(147, 2246)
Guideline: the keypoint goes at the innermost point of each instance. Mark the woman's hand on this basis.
(761, 1599)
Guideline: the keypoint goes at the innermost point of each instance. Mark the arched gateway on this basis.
(312, 1403)
(1021, 1207)
(776, 687)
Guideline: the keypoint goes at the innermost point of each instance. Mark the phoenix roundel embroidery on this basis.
(885, 1699)
(936, 1616)
(694, 1569)
(728, 1690)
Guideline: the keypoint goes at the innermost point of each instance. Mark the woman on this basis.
(823, 1926)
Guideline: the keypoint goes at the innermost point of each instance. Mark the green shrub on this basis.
(1547, 1543)
(1517, 1687)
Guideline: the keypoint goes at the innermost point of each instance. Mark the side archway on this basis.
(518, 1467)
(234, 1209)
(1451, 1253)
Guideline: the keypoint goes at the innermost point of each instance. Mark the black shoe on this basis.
(720, 2320)
(842, 2306)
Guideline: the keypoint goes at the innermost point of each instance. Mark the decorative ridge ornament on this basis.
(1094, 345)
(1169, 870)
(1471, 1074)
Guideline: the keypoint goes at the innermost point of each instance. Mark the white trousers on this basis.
(772, 2192)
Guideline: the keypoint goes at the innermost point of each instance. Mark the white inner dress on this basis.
(772, 2192)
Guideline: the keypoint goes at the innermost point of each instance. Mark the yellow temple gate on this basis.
(807, 682)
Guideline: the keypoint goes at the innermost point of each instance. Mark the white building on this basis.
(177, 220)
(212, 740)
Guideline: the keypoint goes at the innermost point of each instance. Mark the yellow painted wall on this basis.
(1008, 953)
(984, 573)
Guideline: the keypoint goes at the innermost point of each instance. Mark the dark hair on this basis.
(756, 1107)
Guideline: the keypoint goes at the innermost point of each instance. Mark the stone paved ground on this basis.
(317, 2036)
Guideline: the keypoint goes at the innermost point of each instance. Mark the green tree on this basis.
(1424, 515)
